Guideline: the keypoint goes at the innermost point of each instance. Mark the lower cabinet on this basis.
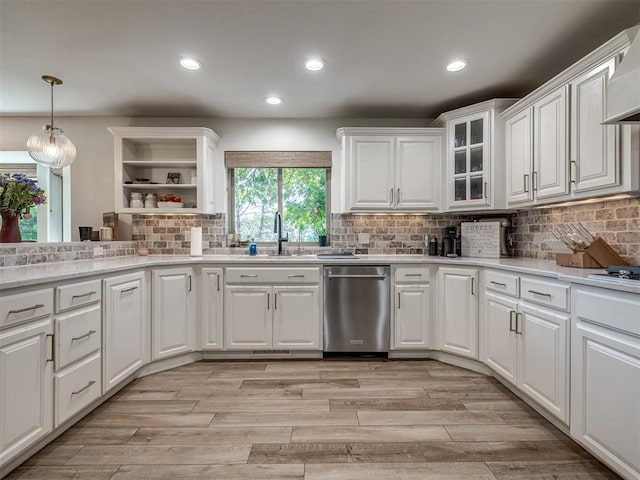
(411, 327)
(605, 377)
(125, 326)
(457, 320)
(528, 346)
(26, 396)
(272, 317)
(76, 387)
(211, 309)
(172, 318)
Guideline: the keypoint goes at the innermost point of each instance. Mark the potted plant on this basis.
(18, 194)
(322, 236)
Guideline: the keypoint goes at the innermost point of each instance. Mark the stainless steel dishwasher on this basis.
(356, 309)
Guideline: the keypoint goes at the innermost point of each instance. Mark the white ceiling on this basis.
(385, 58)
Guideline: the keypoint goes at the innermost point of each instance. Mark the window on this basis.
(296, 184)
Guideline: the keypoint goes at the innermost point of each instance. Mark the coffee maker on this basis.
(450, 242)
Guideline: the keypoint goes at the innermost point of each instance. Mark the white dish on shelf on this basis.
(170, 204)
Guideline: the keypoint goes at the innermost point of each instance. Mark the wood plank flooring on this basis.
(314, 420)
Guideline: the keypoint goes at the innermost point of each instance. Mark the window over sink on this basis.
(296, 184)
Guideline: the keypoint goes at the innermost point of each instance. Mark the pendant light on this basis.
(49, 147)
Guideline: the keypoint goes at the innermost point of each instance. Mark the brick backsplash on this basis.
(616, 221)
(17, 254)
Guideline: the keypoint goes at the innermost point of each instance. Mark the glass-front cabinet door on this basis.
(469, 160)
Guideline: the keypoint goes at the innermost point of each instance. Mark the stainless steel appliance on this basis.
(356, 309)
(619, 274)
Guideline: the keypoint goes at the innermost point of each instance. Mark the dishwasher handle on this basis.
(378, 277)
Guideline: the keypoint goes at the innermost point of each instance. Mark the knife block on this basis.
(578, 260)
(603, 254)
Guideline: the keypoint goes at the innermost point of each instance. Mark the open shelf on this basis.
(161, 163)
(159, 186)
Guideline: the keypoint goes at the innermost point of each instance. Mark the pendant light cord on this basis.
(51, 83)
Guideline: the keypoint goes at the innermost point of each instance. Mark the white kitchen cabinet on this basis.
(605, 377)
(247, 317)
(392, 169)
(411, 321)
(457, 321)
(475, 175)
(153, 152)
(126, 341)
(594, 148)
(26, 393)
(519, 157)
(172, 318)
(211, 308)
(296, 317)
(528, 344)
(272, 308)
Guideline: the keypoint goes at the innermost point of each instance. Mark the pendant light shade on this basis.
(49, 147)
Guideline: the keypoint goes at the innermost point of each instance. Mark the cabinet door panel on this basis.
(550, 145)
(500, 338)
(412, 317)
(417, 172)
(126, 328)
(458, 311)
(371, 172)
(247, 318)
(26, 402)
(543, 345)
(593, 145)
(172, 312)
(211, 303)
(519, 157)
(296, 318)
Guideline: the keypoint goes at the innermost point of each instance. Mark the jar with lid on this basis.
(135, 200)
(106, 234)
(150, 201)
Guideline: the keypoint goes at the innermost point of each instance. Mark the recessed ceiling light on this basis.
(314, 64)
(190, 63)
(273, 100)
(457, 65)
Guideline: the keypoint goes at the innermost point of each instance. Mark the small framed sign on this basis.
(173, 177)
(480, 239)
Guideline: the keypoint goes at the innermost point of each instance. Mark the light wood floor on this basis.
(314, 420)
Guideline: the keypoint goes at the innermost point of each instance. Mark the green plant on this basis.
(18, 194)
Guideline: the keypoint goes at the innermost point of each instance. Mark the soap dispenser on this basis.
(253, 249)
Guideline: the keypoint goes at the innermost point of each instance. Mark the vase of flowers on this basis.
(18, 194)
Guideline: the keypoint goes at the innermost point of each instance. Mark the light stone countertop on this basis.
(31, 275)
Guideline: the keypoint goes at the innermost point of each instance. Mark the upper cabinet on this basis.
(391, 169)
(474, 173)
(557, 148)
(163, 161)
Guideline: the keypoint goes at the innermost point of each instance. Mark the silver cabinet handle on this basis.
(472, 283)
(526, 183)
(535, 181)
(391, 201)
(485, 192)
(412, 274)
(218, 282)
(295, 276)
(379, 277)
(268, 300)
(189, 283)
(92, 382)
(398, 299)
(275, 301)
(128, 290)
(53, 347)
(498, 283)
(84, 295)
(542, 294)
(35, 307)
(248, 276)
(398, 197)
(518, 322)
(572, 177)
(88, 334)
(512, 313)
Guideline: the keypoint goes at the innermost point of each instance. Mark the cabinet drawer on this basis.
(413, 275)
(272, 275)
(24, 307)
(501, 282)
(77, 335)
(76, 387)
(77, 295)
(545, 292)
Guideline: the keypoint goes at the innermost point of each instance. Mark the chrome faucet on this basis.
(277, 228)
